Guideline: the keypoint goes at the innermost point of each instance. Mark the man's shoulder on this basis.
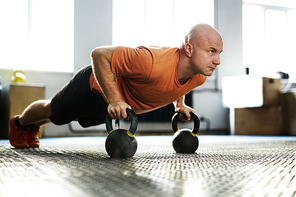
(158, 49)
(161, 54)
(148, 48)
(144, 53)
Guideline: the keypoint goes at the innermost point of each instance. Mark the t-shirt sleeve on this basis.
(132, 62)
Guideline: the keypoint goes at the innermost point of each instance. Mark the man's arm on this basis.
(101, 62)
(183, 109)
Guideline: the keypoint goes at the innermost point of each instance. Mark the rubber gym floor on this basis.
(222, 166)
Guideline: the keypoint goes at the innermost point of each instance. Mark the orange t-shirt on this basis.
(147, 77)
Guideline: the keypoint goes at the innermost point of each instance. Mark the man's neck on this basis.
(183, 81)
(182, 68)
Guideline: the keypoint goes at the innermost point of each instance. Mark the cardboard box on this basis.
(14, 99)
(250, 91)
(288, 101)
(258, 121)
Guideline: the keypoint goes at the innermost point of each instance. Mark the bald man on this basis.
(142, 79)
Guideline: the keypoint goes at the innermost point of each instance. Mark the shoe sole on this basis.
(18, 146)
(34, 145)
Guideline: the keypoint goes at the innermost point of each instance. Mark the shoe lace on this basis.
(35, 132)
(21, 133)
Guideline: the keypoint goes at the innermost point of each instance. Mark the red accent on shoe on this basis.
(17, 135)
(32, 137)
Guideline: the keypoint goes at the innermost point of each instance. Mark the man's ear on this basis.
(188, 49)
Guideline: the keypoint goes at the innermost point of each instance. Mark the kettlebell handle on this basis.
(18, 71)
(195, 118)
(132, 117)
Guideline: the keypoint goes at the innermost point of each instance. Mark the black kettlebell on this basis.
(121, 143)
(185, 140)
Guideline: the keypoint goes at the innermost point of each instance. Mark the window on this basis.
(269, 29)
(154, 22)
(37, 35)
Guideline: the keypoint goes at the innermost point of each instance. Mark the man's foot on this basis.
(17, 135)
(32, 136)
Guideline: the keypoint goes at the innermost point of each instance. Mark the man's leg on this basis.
(61, 109)
(74, 101)
(37, 113)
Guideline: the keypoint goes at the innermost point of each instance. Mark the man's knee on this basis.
(43, 107)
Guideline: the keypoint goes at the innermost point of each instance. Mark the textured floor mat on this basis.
(222, 166)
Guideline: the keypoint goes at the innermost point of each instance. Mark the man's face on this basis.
(206, 54)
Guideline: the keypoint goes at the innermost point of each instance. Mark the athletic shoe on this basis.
(17, 135)
(32, 136)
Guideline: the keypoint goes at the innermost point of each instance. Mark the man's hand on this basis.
(117, 110)
(183, 109)
(185, 112)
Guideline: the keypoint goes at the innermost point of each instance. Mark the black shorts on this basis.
(76, 101)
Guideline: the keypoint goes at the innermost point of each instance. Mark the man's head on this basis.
(203, 45)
